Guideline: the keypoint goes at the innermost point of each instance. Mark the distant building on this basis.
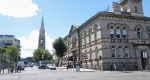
(120, 36)
(5, 41)
(41, 42)
(54, 58)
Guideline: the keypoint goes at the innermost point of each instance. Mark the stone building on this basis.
(120, 36)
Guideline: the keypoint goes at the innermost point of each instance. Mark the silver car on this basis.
(52, 66)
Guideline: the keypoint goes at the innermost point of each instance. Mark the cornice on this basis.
(113, 16)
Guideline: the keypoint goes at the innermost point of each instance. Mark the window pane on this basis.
(126, 52)
(111, 31)
(124, 36)
(118, 35)
(96, 53)
(113, 52)
(111, 35)
(139, 35)
(120, 52)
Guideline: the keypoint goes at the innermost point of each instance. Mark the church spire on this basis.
(42, 24)
(41, 42)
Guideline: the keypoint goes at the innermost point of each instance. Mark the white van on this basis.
(22, 64)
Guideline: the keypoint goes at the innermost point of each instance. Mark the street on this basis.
(33, 73)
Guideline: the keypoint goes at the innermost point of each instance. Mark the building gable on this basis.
(73, 28)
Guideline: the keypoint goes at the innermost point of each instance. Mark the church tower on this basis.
(132, 6)
(41, 42)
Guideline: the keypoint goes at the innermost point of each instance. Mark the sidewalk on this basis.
(91, 70)
(6, 71)
(74, 69)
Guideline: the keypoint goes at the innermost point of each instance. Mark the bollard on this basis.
(8, 69)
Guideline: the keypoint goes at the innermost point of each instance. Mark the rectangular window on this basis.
(124, 34)
(126, 50)
(96, 53)
(120, 53)
(111, 33)
(82, 41)
(113, 52)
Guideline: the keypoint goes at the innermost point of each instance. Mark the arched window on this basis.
(96, 53)
(81, 43)
(85, 34)
(111, 32)
(124, 33)
(118, 33)
(95, 32)
(90, 31)
(120, 54)
(139, 33)
(90, 55)
(136, 9)
(126, 52)
(113, 50)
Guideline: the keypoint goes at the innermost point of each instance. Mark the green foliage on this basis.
(2, 50)
(12, 52)
(37, 54)
(60, 48)
(12, 65)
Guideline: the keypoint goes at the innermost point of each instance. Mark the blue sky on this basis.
(22, 18)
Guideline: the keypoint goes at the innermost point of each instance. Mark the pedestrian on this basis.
(114, 67)
(111, 67)
(123, 67)
(94, 67)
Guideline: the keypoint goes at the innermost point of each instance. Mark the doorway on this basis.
(144, 61)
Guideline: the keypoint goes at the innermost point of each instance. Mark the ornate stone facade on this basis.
(114, 37)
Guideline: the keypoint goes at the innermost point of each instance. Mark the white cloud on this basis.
(18, 8)
(29, 44)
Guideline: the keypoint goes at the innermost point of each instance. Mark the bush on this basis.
(12, 65)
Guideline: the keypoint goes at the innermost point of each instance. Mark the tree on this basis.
(2, 50)
(60, 48)
(37, 54)
(12, 52)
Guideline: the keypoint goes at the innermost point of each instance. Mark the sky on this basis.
(22, 18)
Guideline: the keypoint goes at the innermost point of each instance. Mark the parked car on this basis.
(30, 65)
(47, 66)
(42, 65)
(52, 66)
